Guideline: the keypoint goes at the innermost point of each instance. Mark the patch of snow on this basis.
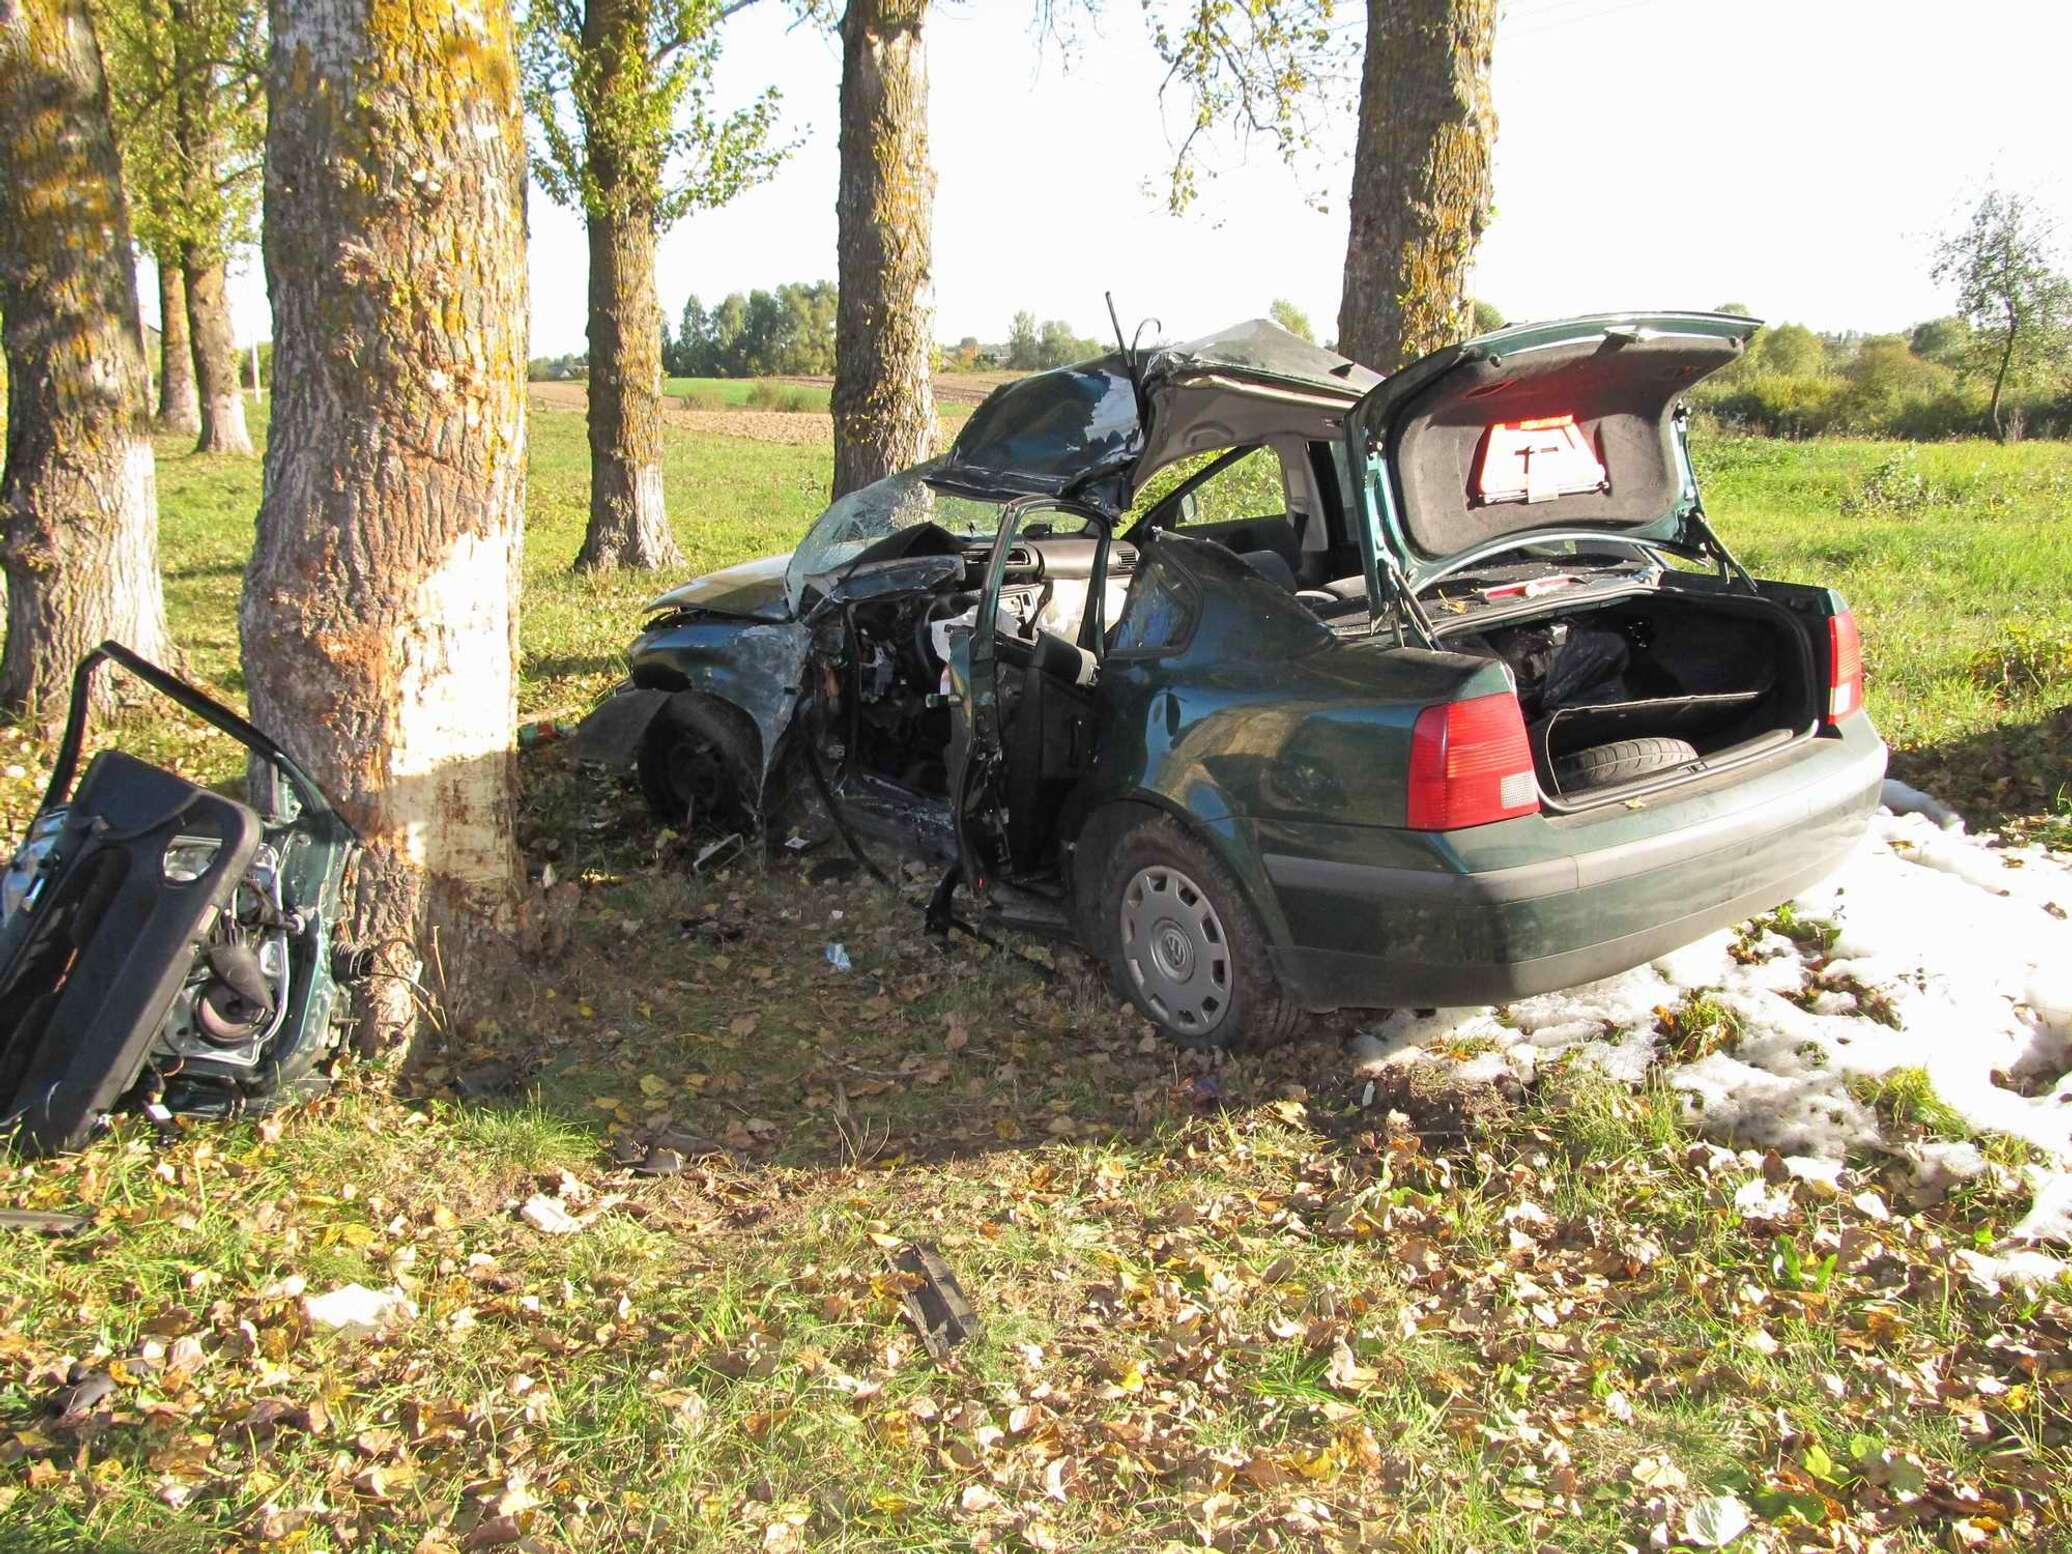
(1815, 1171)
(1928, 948)
(2050, 1212)
(1941, 1164)
(2018, 1271)
(1757, 1199)
(1905, 799)
(353, 1308)
(550, 1216)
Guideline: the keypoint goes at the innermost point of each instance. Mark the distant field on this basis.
(955, 392)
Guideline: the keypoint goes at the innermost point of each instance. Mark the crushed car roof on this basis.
(1080, 430)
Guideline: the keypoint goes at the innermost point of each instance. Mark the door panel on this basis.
(982, 797)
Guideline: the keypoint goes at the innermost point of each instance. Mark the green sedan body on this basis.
(1488, 710)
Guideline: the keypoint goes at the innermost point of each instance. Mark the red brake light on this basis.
(1844, 667)
(1470, 763)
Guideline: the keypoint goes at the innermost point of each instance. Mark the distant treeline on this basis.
(1924, 385)
(781, 333)
(790, 332)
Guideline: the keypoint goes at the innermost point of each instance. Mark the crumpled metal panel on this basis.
(1260, 348)
(756, 668)
(1048, 433)
(612, 731)
(1079, 431)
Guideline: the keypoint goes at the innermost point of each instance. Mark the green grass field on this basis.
(746, 393)
(1224, 1303)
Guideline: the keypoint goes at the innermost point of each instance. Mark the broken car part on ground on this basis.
(162, 945)
(1429, 690)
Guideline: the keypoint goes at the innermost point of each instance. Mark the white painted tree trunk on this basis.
(380, 608)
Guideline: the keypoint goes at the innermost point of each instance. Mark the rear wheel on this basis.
(698, 766)
(1621, 761)
(1184, 945)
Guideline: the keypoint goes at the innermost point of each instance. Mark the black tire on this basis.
(1228, 967)
(1623, 760)
(699, 766)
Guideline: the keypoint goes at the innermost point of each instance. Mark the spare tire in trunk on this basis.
(1622, 760)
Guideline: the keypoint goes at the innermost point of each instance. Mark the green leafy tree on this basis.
(1022, 348)
(1788, 348)
(1485, 317)
(187, 85)
(1291, 318)
(1250, 69)
(621, 97)
(789, 331)
(1058, 346)
(2002, 262)
(1945, 340)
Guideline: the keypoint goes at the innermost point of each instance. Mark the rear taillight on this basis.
(1470, 764)
(1844, 667)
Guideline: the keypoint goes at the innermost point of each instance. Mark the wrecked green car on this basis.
(162, 946)
(1285, 688)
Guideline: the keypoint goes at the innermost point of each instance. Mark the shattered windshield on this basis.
(870, 513)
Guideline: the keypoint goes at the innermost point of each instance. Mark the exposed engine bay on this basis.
(162, 945)
(883, 673)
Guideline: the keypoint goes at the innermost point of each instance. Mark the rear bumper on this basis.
(1540, 903)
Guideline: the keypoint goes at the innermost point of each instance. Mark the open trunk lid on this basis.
(1567, 430)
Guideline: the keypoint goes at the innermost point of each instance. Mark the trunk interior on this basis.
(1727, 676)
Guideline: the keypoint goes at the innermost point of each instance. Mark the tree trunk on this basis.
(78, 500)
(179, 408)
(2000, 375)
(379, 618)
(628, 526)
(1421, 178)
(215, 359)
(884, 403)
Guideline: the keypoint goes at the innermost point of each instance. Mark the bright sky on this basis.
(1794, 155)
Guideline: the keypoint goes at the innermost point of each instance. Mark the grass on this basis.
(747, 394)
(1222, 1301)
(1958, 584)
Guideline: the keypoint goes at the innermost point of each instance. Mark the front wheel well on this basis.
(716, 723)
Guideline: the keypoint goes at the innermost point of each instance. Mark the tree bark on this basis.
(883, 402)
(78, 500)
(179, 406)
(379, 619)
(628, 524)
(2000, 375)
(1421, 178)
(215, 358)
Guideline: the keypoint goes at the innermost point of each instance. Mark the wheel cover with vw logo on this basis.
(1176, 951)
